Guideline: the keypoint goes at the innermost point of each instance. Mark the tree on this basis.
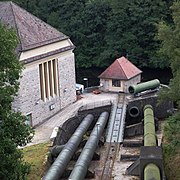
(103, 30)
(170, 39)
(169, 34)
(132, 29)
(13, 130)
(90, 34)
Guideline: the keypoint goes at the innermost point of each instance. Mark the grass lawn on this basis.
(36, 155)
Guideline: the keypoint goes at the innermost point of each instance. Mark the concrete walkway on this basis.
(88, 101)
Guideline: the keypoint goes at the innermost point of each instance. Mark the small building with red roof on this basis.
(119, 76)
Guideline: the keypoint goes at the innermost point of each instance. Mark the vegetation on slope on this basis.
(170, 38)
(36, 155)
(171, 147)
(103, 30)
(13, 130)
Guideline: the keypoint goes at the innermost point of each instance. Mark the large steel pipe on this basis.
(135, 89)
(149, 127)
(151, 171)
(57, 168)
(81, 166)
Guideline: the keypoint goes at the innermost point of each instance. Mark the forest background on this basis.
(103, 30)
(145, 31)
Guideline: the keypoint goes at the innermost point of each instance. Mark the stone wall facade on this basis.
(66, 68)
(28, 100)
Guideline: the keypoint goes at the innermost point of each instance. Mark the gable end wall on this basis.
(29, 96)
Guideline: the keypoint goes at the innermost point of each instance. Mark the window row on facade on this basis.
(48, 79)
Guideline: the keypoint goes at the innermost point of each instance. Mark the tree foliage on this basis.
(13, 131)
(170, 39)
(169, 34)
(132, 29)
(103, 30)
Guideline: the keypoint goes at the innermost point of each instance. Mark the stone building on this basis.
(48, 80)
(119, 76)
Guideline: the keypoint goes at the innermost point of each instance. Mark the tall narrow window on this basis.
(48, 79)
(42, 88)
(55, 76)
(51, 80)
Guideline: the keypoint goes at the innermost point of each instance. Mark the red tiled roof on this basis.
(32, 32)
(121, 68)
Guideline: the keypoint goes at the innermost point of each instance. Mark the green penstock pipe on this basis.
(151, 172)
(149, 127)
(135, 89)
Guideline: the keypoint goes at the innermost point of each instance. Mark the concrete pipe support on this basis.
(81, 166)
(57, 168)
(55, 150)
(135, 89)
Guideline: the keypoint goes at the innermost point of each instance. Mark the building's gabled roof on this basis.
(32, 32)
(121, 68)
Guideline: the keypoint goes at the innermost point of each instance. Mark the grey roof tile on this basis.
(32, 31)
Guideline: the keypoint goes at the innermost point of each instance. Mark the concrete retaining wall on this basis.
(161, 111)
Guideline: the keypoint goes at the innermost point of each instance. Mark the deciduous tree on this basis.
(132, 29)
(13, 130)
(103, 30)
(170, 39)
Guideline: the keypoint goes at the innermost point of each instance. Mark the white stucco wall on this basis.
(107, 84)
(115, 89)
(44, 49)
(104, 83)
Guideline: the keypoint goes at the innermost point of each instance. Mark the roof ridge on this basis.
(121, 67)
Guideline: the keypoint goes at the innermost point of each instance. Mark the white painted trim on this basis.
(44, 49)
